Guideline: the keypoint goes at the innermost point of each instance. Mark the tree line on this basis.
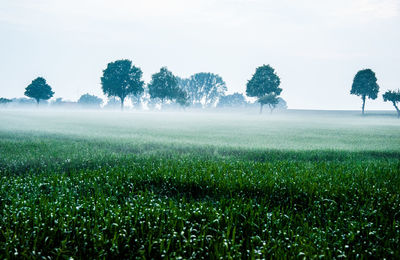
(121, 79)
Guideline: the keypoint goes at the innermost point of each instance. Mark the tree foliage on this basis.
(264, 81)
(232, 100)
(112, 103)
(39, 90)
(203, 88)
(5, 101)
(121, 79)
(264, 85)
(90, 100)
(164, 86)
(281, 104)
(394, 97)
(365, 85)
(270, 99)
(182, 98)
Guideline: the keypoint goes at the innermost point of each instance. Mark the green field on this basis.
(199, 185)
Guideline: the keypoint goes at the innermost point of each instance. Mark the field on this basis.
(87, 184)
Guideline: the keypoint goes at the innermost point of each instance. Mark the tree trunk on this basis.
(363, 105)
(37, 102)
(271, 108)
(261, 106)
(397, 109)
(122, 104)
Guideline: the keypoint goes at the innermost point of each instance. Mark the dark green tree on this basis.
(164, 86)
(121, 79)
(39, 90)
(394, 97)
(364, 85)
(90, 101)
(264, 82)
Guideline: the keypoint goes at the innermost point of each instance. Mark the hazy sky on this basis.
(316, 46)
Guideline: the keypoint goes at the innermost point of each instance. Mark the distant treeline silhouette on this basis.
(121, 80)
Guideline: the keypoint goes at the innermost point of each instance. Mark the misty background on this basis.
(316, 47)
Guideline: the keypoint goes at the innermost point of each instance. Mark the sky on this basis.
(315, 46)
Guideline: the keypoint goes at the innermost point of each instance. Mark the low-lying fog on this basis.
(290, 129)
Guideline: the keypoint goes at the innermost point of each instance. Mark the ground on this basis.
(199, 185)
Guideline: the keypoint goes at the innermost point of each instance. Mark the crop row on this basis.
(177, 204)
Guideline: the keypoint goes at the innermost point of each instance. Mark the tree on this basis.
(112, 103)
(203, 88)
(90, 100)
(394, 97)
(182, 98)
(164, 85)
(24, 101)
(281, 104)
(270, 99)
(264, 82)
(364, 85)
(39, 90)
(121, 79)
(4, 101)
(232, 100)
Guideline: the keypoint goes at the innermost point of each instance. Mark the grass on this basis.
(144, 185)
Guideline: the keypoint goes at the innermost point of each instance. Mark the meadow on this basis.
(104, 184)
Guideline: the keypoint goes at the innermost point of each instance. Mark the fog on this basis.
(284, 129)
(316, 47)
(199, 129)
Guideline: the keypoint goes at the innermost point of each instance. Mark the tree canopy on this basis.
(264, 85)
(5, 100)
(232, 100)
(121, 79)
(203, 88)
(270, 99)
(90, 100)
(394, 97)
(39, 90)
(164, 85)
(365, 85)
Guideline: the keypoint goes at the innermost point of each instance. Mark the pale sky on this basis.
(315, 46)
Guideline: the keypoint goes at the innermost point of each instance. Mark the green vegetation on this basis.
(93, 185)
(365, 85)
(391, 96)
(264, 85)
(122, 79)
(164, 86)
(39, 90)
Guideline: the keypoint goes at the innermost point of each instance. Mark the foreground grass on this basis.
(65, 195)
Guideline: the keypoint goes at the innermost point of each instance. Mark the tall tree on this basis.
(204, 88)
(164, 85)
(39, 90)
(264, 82)
(394, 97)
(121, 79)
(364, 85)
